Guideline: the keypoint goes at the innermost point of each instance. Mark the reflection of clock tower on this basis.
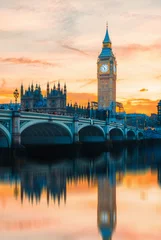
(106, 74)
(106, 210)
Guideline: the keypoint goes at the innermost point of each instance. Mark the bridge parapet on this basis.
(13, 123)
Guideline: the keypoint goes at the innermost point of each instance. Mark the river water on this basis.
(115, 194)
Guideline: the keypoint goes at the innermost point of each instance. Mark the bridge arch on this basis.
(116, 134)
(5, 137)
(45, 132)
(91, 133)
(140, 135)
(131, 135)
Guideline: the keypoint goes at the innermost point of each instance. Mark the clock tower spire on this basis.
(106, 74)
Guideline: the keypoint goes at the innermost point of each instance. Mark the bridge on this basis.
(29, 128)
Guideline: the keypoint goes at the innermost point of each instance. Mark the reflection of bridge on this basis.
(27, 128)
(53, 178)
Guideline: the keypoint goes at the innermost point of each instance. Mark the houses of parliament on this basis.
(55, 99)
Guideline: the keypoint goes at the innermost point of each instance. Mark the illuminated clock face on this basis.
(104, 217)
(104, 68)
(114, 68)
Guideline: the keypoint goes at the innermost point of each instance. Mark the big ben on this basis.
(106, 74)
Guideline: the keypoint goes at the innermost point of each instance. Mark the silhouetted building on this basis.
(159, 112)
(54, 102)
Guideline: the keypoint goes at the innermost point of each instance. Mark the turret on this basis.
(106, 46)
(58, 86)
(39, 88)
(21, 90)
(48, 89)
(32, 87)
(65, 89)
(88, 106)
(107, 42)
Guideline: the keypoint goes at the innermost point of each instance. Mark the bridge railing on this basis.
(66, 118)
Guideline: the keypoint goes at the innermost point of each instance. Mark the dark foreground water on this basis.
(84, 196)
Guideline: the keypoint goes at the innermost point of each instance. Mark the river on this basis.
(112, 194)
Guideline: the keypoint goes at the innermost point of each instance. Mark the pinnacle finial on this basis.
(107, 25)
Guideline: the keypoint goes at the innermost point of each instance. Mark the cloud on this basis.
(158, 77)
(81, 98)
(90, 81)
(140, 105)
(121, 79)
(143, 16)
(143, 90)
(24, 60)
(130, 49)
(24, 20)
(3, 83)
(5, 95)
(74, 49)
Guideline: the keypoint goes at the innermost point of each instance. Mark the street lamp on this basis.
(16, 95)
(75, 107)
(145, 124)
(125, 120)
(107, 115)
(75, 111)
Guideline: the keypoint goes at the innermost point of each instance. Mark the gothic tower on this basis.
(106, 74)
(106, 210)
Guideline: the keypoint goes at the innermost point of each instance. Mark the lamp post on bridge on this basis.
(16, 95)
(75, 124)
(16, 136)
(125, 120)
(107, 116)
(125, 128)
(75, 110)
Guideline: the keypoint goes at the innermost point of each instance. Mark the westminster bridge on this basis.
(29, 128)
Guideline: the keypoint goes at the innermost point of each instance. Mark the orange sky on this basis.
(51, 41)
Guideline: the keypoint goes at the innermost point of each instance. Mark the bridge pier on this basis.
(107, 132)
(75, 129)
(136, 135)
(16, 136)
(125, 133)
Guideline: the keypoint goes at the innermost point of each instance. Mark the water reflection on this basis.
(106, 210)
(33, 180)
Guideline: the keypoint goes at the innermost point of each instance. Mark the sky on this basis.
(77, 220)
(57, 40)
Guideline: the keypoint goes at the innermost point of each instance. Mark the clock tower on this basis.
(106, 74)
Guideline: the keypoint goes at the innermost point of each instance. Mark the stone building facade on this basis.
(32, 99)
